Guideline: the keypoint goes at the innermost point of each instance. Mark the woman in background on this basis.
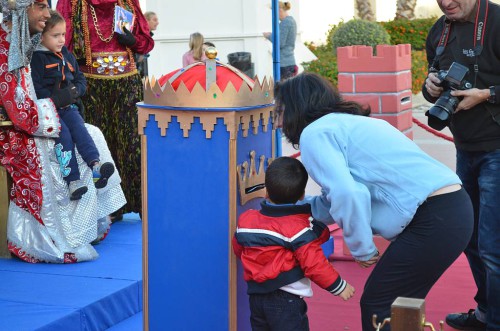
(195, 53)
(288, 33)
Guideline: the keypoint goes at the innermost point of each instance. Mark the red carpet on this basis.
(453, 292)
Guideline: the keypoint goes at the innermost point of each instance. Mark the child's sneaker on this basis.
(76, 190)
(101, 173)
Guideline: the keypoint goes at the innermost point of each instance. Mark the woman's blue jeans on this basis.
(480, 174)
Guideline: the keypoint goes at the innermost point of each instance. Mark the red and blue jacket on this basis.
(281, 244)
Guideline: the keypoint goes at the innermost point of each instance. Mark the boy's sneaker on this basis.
(101, 173)
(76, 190)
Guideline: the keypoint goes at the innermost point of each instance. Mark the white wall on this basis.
(232, 25)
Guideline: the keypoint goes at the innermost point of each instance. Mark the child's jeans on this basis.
(73, 133)
(278, 311)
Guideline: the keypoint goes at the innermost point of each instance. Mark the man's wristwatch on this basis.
(492, 98)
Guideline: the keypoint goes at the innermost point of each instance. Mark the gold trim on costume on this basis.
(96, 26)
(118, 76)
(97, 54)
(109, 65)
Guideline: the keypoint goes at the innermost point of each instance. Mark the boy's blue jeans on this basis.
(278, 311)
(73, 133)
(480, 174)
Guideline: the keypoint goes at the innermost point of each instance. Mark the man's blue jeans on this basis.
(480, 174)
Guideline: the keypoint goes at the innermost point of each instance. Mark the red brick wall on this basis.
(382, 81)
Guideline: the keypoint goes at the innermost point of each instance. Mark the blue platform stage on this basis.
(98, 295)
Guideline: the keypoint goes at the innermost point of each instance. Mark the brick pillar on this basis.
(382, 81)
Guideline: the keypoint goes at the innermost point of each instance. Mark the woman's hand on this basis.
(370, 262)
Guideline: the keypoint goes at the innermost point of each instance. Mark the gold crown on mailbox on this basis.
(208, 84)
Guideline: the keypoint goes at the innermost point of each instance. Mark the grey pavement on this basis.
(437, 147)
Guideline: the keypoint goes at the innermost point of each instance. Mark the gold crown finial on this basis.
(251, 92)
(211, 52)
(252, 182)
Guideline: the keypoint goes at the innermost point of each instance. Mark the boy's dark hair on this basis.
(209, 44)
(55, 18)
(286, 180)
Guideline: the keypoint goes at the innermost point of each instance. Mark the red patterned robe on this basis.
(43, 224)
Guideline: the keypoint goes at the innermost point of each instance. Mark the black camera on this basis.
(439, 115)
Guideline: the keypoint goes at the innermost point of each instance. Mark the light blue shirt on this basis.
(373, 177)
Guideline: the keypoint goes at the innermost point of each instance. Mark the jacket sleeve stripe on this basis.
(338, 286)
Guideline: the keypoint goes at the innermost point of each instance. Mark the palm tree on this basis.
(364, 9)
(405, 9)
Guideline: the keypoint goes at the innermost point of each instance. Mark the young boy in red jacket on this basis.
(280, 250)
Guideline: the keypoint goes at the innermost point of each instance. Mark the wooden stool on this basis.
(407, 314)
(5, 185)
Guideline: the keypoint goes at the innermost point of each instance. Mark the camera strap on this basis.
(480, 26)
(479, 31)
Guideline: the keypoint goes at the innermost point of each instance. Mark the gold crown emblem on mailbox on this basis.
(251, 183)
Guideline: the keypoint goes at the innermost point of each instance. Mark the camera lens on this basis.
(439, 115)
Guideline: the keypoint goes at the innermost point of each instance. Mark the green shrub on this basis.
(413, 32)
(326, 64)
(418, 70)
(359, 32)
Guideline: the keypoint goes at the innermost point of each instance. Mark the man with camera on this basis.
(463, 51)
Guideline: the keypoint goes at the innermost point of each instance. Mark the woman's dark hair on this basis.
(286, 180)
(306, 97)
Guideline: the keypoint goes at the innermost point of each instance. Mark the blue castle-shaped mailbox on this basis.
(207, 138)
